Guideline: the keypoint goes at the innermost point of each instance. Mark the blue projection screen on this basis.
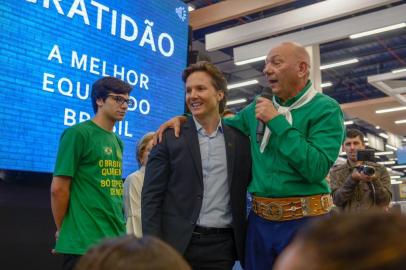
(51, 53)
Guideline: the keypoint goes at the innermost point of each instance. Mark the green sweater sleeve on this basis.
(314, 153)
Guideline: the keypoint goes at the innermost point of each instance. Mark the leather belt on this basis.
(210, 230)
(279, 209)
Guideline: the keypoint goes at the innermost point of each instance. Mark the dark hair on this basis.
(106, 85)
(353, 133)
(359, 241)
(218, 80)
(131, 253)
(142, 144)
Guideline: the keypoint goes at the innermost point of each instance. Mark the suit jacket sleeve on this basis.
(157, 175)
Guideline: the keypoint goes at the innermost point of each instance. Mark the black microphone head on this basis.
(267, 93)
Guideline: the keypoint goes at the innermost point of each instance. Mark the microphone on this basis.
(266, 93)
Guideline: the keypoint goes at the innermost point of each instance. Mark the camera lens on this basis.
(368, 170)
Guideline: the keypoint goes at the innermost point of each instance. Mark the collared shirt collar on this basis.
(292, 100)
(202, 131)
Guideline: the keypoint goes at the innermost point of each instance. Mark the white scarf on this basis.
(285, 111)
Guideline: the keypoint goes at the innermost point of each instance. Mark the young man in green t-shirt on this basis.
(87, 189)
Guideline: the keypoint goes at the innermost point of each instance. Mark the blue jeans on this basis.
(266, 239)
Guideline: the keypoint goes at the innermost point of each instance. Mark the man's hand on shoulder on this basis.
(171, 123)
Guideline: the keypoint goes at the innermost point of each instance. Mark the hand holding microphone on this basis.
(264, 112)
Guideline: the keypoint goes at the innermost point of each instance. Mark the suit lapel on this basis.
(229, 139)
(191, 138)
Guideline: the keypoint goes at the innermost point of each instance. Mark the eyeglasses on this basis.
(120, 100)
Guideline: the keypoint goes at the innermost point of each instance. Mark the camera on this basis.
(365, 169)
(366, 155)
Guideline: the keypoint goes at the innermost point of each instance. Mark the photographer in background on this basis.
(359, 184)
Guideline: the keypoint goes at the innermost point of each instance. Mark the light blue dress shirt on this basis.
(216, 208)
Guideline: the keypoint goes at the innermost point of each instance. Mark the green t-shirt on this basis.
(92, 156)
(299, 155)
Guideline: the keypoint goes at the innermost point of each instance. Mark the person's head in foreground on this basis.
(131, 253)
(366, 241)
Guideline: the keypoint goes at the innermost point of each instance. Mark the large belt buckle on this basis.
(305, 206)
(326, 203)
(275, 211)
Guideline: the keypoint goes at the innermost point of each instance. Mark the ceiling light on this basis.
(399, 167)
(384, 153)
(236, 101)
(395, 176)
(377, 127)
(341, 63)
(378, 30)
(391, 147)
(394, 109)
(398, 70)
(394, 182)
(241, 84)
(402, 121)
(383, 135)
(389, 162)
(346, 123)
(388, 169)
(326, 84)
(393, 172)
(190, 8)
(251, 60)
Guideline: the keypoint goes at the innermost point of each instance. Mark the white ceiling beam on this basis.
(387, 76)
(383, 83)
(228, 10)
(398, 86)
(295, 19)
(326, 33)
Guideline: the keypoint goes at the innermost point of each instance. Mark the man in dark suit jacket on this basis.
(194, 193)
